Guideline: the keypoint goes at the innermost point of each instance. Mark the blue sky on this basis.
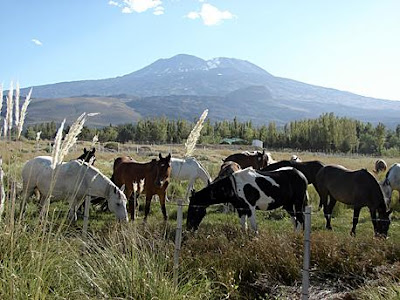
(348, 45)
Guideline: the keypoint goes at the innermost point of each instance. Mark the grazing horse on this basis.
(391, 182)
(228, 168)
(155, 173)
(189, 169)
(308, 168)
(380, 166)
(249, 190)
(88, 156)
(256, 159)
(71, 180)
(357, 188)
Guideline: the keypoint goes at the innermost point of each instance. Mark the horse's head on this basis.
(88, 156)
(383, 222)
(163, 167)
(219, 191)
(196, 212)
(117, 203)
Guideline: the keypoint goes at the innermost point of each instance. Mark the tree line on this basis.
(328, 133)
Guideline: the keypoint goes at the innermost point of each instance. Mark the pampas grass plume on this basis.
(195, 134)
(57, 146)
(17, 94)
(2, 193)
(23, 113)
(9, 114)
(1, 97)
(72, 136)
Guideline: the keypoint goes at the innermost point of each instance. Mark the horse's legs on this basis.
(328, 208)
(147, 206)
(189, 188)
(162, 197)
(253, 222)
(355, 219)
(243, 221)
(373, 219)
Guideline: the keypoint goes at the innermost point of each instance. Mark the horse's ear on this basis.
(159, 155)
(192, 192)
(122, 188)
(84, 150)
(94, 150)
(169, 156)
(263, 152)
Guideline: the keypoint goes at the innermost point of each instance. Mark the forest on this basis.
(328, 133)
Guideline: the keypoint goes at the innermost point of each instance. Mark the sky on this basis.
(347, 45)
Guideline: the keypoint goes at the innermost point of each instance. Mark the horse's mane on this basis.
(93, 169)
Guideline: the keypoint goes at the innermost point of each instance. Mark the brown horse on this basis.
(155, 173)
(256, 159)
(228, 168)
(358, 188)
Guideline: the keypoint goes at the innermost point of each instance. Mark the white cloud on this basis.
(159, 10)
(210, 15)
(36, 42)
(113, 3)
(139, 6)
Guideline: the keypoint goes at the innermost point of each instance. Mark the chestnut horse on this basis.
(155, 173)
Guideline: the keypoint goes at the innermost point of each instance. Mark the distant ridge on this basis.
(182, 85)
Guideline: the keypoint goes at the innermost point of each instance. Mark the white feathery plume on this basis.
(17, 94)
(195, 134)
(1, 97)
(72, 136)
(2, 193)
(38, 136)
(9, 114)
(55, 154)
(23, 112)
(94, 140)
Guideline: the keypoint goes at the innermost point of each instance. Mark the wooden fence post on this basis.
(306, 254)
(178, 241)
(86, 216)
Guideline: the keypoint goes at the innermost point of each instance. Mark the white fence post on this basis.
(86, 216)
(306, 255)
(178, 241)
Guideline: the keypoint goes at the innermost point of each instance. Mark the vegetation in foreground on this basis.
(134, 261)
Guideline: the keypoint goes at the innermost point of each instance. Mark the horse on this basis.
(156, 175)
(380, 166)
(308, 168)
(295, 158)
(357, 188)
(88, 156)
(189, 169)
(71, 180)
(391, 182)
(249, 190)
(227, 169)
(256, 159)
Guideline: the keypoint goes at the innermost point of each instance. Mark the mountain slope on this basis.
(183, 85)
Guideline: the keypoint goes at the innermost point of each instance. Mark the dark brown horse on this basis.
(88, 156)
(256, 159)
(357, 188)
(155, 173)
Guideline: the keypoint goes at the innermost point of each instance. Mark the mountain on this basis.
(181, 86)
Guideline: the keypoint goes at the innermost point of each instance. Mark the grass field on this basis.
(135, 260)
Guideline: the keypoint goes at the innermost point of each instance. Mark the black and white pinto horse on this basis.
(248, 190)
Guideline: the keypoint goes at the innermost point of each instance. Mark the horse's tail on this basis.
(204, 175)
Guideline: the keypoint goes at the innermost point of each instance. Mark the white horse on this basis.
(73, 181)
(189, 169)
(391, 182)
